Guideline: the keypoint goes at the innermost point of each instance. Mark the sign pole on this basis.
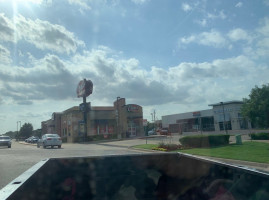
(85, 117)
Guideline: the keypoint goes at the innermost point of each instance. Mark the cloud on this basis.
(54, 79)
(239, 5)
(139, 2)
(213, 38)
(6, 29)
(219, 15)
(239, 34)
(47, 36)
(202, 22)
(186, 7)
(4, 55)
(42, 34)
(80, 3)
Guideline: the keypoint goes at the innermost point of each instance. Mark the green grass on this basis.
(146, 146)
(249, 151)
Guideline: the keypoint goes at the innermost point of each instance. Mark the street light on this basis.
(224, 121)
(17, 128)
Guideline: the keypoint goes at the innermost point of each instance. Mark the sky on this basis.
(170, 56)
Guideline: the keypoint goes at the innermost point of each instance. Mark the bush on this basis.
(169, 147)
(64, 139)
(259, 136)
(204, 140)
(101, 137)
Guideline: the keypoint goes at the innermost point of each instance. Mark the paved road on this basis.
(20, 157)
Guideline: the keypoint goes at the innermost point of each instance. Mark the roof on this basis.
(95, 108)
(226, 103)
(74, 108)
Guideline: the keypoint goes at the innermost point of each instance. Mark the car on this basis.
(152, 132)
(5, 141)
(51, 140)
(165, 131)
(28, 139)
(34, 139)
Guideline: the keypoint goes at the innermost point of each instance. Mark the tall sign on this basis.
(84, 89)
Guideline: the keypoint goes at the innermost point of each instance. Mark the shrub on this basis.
(168, 147)
(205, 140)
(259, 136)
(64, 139)
(101, 137)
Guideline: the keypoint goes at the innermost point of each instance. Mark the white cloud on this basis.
(213, 38)
(139, 2)
(45, 35)
(186, 7)
(239, 5)
(6, 29)
(42, 34)
(54, 79)
(202, 22)
(239, 34)
(4, 55)
(219, 15)
(81, 3)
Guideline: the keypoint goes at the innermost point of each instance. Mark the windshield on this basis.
(133, 76)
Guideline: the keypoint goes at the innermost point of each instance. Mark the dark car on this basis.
(5, 141)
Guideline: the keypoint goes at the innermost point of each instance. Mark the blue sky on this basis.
(171, 56)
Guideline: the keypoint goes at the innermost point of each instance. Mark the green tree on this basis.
(26, 130)
(11, 134)
(256, 108)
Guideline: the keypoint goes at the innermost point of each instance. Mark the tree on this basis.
(256, 108)
(26, 130)
(11, 134)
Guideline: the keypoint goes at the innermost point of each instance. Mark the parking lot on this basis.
(20, 157)
(16, 160)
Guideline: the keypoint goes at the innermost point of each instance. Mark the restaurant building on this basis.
(222, 116)
(125, 120)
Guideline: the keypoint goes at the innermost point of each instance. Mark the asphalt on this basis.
(131, 142)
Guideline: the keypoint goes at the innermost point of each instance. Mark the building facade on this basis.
(125, 120)
(222, 116)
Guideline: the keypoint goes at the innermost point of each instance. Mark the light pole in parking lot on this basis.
(18, 122)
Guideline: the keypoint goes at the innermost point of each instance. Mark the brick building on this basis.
(121, 119)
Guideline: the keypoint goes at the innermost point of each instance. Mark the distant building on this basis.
(119, 118)
(227, 113)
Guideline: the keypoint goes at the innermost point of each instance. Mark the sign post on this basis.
(84, 89)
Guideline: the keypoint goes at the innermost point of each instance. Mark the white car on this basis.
(5, 141)
(51, 140)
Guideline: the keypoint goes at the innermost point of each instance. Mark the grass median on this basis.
(248, 151)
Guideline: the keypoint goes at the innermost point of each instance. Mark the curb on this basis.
(25, 143)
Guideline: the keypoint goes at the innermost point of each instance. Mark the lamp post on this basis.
(224, 121)
(118, 119)
(18, 122)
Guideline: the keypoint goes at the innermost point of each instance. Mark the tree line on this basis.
(25, 132)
